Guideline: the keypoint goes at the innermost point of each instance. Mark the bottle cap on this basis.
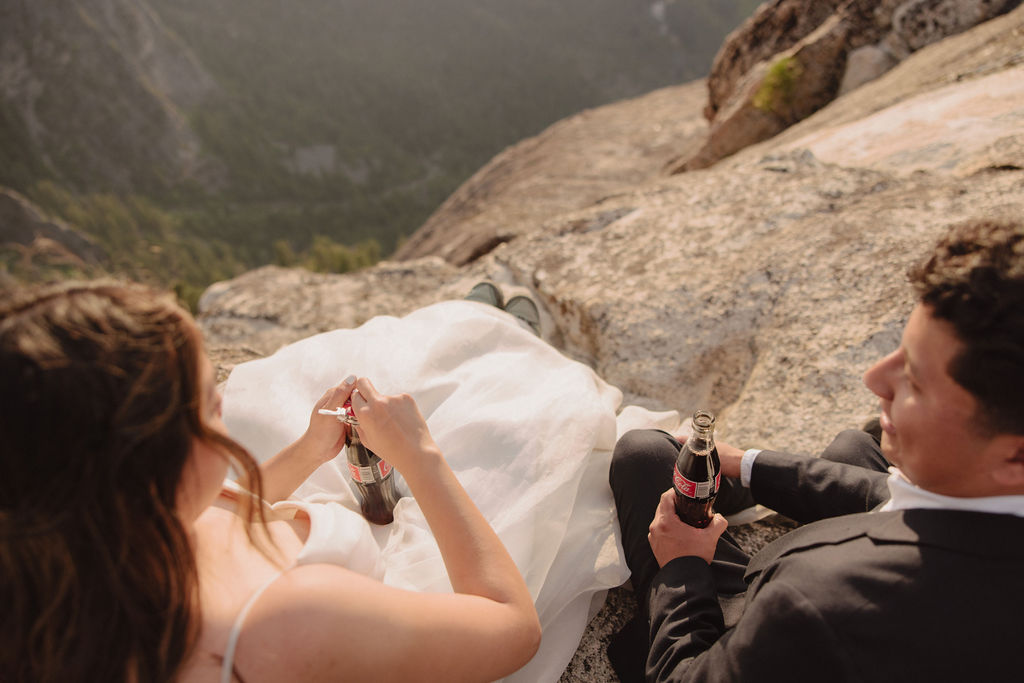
(344, 414)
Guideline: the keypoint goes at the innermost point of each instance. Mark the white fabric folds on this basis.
(528, 432)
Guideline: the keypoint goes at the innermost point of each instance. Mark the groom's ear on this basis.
(1009, 470)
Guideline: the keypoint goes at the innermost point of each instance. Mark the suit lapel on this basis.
(824, 532)
(976, 533)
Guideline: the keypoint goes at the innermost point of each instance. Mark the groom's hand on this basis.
(670, 537)
(730, 458)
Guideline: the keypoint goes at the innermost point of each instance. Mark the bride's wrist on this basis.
(423, 460)
(313, 448)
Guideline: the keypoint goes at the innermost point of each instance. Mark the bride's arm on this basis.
(321, 442)
(474, 556)
(328, 622)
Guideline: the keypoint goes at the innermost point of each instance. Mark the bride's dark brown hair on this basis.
(102, 399)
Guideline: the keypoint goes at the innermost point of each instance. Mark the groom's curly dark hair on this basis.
(974, 279)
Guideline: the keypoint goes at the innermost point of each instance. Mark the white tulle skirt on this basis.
(528, 432)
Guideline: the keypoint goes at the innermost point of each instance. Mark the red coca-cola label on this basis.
(364, 475)
(694, 489)
(360, 474)
(683, 485)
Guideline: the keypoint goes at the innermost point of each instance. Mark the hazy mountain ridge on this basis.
(259, 125)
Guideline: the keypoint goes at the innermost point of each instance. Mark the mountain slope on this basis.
(93, 95)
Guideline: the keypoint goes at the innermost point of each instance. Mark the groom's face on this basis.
(928, 421)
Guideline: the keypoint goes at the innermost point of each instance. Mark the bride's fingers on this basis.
(325, 399)
(364, 391)
(336, 396)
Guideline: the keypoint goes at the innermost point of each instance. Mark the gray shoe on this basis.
(486, 293)
(523, 308)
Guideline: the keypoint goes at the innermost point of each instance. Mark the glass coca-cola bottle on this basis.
(372, 476)
(698, 472)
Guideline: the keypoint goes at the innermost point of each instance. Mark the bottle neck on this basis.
(700, 442)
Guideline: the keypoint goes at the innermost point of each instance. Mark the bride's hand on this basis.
(391, 426)
(325, 434)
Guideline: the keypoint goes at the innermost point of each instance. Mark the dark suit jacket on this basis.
(916, 595)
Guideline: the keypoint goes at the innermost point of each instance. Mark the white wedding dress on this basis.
(528, 432)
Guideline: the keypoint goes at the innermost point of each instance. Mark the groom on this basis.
(914, 574)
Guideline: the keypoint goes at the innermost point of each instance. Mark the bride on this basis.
(126, 555)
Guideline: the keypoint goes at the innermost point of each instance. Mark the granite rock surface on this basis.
(792, 57)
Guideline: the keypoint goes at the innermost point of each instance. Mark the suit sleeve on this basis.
(686, 618)
(807, 489)
(781, 636)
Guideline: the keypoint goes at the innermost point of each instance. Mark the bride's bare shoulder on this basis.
(312, 622)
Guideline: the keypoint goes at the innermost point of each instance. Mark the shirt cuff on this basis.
(747, 465)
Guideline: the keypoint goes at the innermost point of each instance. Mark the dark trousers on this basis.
(641, 471)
